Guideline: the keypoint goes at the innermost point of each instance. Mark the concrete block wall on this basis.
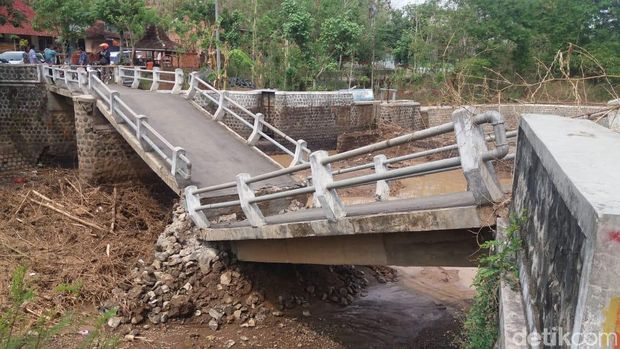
(34, 125)
(566, 183)
(103, 155)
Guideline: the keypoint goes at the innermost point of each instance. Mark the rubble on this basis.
(193, 280)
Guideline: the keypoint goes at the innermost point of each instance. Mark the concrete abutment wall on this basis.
(566, 185)
(103, 155)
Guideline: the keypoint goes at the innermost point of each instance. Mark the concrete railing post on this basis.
(156, 79)
(179, 78)
(220, 112)
(251, 210)
(140, 120)
(192, 202)
(83, 79)
(382, 192)
(112, 104)
(174, 166)
(258, 128)
(46, 74)
(300, 153)
(327, 199)
(117, 74)
(136, 77)
(90, 72)
(193, 85)
(480, 175)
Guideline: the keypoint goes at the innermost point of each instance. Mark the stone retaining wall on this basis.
(35, 126)
(104, 156)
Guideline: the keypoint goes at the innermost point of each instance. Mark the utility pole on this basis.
(217, 37)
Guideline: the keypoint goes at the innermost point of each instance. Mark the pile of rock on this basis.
(189, 278)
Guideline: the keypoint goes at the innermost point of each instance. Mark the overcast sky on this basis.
(401, 3)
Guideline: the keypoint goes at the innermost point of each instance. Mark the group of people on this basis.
(50, 55)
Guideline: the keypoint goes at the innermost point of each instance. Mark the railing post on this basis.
(47, 76)
(321, 177)
(480, 175)
(193, 85)
(89, 72)
(220, 112)
(251, 210)
(66, 79)
(192, 202)
(117, 75)
(300, 153)
(176, 151)
(178, 81)
(156, 78)
(83, 79)
(112, 105)
(140, 119)
(382, 192)
(136, 77)
(258, 128)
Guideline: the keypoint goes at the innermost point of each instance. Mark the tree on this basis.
(130, 17)
(69, 18)
(8, 13)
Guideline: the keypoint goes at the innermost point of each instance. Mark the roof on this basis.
(26, 25)
(156, 39)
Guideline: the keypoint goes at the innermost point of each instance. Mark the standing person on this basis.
(49, 54)
(104, 54)
(32, 56)
(83, 60)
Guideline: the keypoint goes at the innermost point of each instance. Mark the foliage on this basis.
(481, 325)
(69, 18)
(130, 17)
(194, 22)
(8, 13)
(41, 333)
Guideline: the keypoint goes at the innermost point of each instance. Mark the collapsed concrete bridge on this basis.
(219, 172)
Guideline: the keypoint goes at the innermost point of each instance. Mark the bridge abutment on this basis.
(566, 185)
(103, 154)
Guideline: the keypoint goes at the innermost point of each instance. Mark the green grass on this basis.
(481, 325)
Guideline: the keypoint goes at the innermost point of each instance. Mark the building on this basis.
(11, 36)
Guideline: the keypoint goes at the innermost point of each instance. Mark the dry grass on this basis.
(70, 233)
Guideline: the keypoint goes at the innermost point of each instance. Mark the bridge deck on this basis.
(216, 154)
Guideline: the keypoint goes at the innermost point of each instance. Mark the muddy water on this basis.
(413, 187)
(421, 310)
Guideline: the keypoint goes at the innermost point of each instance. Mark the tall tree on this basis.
(130, 17)
(69, 18)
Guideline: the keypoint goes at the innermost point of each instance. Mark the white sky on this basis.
(401, 3)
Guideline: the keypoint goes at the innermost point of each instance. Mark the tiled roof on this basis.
(26, 25)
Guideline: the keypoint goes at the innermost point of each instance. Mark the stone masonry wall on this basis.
(553, 250)
(405, 114)
(103, 154)
(35, 126)
(316, 117)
